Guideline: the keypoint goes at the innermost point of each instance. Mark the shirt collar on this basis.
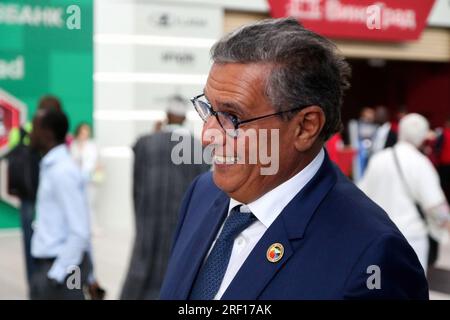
(267, 208)
(54, 155)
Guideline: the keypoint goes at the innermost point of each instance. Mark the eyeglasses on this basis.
(229, 122)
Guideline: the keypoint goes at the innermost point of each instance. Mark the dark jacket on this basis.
(158, 188)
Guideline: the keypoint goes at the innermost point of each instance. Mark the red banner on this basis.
(384, 20)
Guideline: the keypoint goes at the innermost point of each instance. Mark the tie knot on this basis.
(235, 223)
(212, 272)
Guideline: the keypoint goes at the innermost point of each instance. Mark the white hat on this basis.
(177, 106)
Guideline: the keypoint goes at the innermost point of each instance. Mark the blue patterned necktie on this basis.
(213, 270)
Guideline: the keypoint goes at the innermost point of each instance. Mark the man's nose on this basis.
(212, 132)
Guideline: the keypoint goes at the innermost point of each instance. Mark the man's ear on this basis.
(307, 125)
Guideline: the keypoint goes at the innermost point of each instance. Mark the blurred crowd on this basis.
(56, 174)
(403, 165)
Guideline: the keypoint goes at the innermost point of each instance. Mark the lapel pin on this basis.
(275, 252)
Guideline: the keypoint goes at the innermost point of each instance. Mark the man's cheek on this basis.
(247, 147)
(212, 136)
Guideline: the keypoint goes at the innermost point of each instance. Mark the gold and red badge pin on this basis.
(275, 252)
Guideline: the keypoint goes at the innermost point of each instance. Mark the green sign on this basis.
(46, 47)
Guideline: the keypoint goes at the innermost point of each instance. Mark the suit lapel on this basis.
(195, 249)
(257, 270)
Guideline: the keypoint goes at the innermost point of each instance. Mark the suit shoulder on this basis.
(151, 141)
(202, 193)
(142, 140)
(358, 210)
(390, 265)
(205, 184)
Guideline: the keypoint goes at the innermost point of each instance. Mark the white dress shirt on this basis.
(62, 218)
(266, 209)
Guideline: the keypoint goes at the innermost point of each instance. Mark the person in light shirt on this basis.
(397, 187)
(85, 153)
(61, 240)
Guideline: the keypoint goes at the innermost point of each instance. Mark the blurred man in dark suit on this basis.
(158, 187)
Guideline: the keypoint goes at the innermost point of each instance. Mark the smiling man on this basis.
(304, 231)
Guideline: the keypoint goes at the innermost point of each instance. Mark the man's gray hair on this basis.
(307, 69)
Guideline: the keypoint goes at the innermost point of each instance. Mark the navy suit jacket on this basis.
(338, 244)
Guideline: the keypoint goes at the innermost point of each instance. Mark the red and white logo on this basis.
(12, 115)
(383, 20)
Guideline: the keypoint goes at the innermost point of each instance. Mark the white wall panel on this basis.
(145, 52)
(151, 59)
(114, 95)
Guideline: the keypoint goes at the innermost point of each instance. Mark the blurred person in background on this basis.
(361, 134)
(85, 153)
(405, 184)
(340, 154)
(335, 145)
(158, 188)
(2, 124)
(61, 238)
(443, 157)
(23, 173)
(399, 114)
(384, 136)
(429, 146)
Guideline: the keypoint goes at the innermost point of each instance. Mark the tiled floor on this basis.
(112, 251)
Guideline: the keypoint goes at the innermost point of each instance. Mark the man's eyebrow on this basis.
(230, 105)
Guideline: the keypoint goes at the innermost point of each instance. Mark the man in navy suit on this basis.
(302, 231)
